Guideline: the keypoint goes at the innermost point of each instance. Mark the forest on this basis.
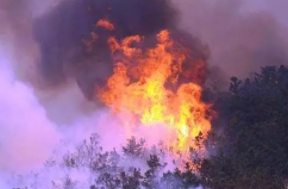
(249, 139)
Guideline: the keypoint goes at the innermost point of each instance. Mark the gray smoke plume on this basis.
(241, 35)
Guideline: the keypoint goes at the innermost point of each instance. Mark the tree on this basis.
(151, 175)
(255, 151)
(134, 148)
(131, 181)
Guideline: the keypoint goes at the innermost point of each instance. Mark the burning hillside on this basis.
(134, 60)
(144, 89)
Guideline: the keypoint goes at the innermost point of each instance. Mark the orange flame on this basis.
(105, 24)
(139, 89)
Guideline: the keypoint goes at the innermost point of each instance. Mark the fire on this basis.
(145, 88)
(105, 24)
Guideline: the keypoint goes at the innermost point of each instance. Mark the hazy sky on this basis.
(279, 8)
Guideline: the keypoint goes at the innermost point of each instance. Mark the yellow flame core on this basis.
(138, 86)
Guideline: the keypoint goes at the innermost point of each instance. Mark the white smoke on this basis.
(27, 137)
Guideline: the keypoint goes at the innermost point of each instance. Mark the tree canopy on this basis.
(255, 149)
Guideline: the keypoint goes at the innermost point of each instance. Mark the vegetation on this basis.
(254, 153)
(109, 170)
(251, 152)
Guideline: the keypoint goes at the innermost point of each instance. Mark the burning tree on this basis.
(145, 89)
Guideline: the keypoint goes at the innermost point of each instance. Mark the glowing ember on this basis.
(105, 24)
(144, 88)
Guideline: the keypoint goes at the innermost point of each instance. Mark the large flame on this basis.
(144, 87)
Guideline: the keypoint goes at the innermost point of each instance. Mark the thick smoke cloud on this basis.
(17, 39)
(239, 41)
(60, 34)
(16, 19)
(27, 136)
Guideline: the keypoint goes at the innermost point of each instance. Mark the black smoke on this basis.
(61, 31)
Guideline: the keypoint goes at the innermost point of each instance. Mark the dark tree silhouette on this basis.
(255, 151)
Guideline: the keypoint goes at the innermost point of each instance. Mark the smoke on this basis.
(241, 37)
(29, 110)
(27, 137)
(16, 30)
(42, 54)
(63, 51)
(64, 103)
(61, 41)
